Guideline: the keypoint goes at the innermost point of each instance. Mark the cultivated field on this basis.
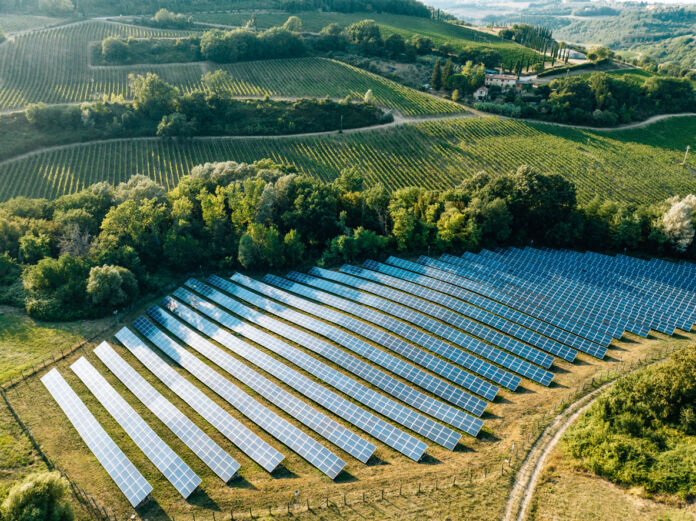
(407, 26)
(631, 165)
(52, 66)
(12, 23)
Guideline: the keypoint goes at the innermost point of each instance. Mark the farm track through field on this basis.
(530, 472)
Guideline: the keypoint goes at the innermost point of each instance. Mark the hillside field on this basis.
(52, 66)
(632, 165)
(407, 26)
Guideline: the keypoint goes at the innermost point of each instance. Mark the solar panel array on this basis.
(131, 482)
(193, 436)
(159, 453)
(278, 427)
(392, 348)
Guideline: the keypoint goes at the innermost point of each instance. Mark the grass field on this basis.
(479, 493)
(631, 165)
(12, 23)
(24, 341)
(407, 26)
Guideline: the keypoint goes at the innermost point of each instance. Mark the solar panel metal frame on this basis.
(315, 420)
(387, 433)
(168, 462)
(282, 430)
(246, 440)
(385, 382)
(194, 437)
(124, 474)
(478, 347)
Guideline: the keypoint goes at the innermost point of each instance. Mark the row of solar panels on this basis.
(455, 328)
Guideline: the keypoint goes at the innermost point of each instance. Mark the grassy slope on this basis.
(12, 23)
(407, 26)
(633, 165)
(510, 420)
(24, 341)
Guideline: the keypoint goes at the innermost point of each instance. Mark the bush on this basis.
(114, 50)
(39, 497)
(111, 287)
(641, 432)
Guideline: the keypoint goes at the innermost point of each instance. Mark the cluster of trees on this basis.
(244, 45)
(88, 253)
(599, 99)
(166, 19)
(640, 433)
(403, 7)
(160, 109)
(125, 51)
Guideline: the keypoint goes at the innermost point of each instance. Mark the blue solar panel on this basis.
(465, 309)
(392, 273)
(356, 366)
(442, 314)
(383, 431)
(509, 300)
(391, 342)
(237, 433)
(495, 355)
(177, 472)
(318, 422)
(131, 482)
(412, 334)
(278, 427)
(195, 439)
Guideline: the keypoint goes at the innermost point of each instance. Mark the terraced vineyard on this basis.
(52, 66)
(407, 26)
(433, 154)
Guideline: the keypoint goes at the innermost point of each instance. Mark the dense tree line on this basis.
(88, 253)
(403, 7)
(640, 433)
(160, 109)
(599, 99)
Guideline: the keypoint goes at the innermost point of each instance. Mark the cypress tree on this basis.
(436, 79)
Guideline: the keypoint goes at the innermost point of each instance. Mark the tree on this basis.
(293, 24)
(175, 125)
(9, 269)
(678, 222)
(421, 44)
(39, 497)
(369, 98)
(33, 248)
(114, 50)
(447, 71)
(455, 95)
(152, 96)
(110, 287)
(395, 45)
(217, 81)
(436, 78)
(294, 248)
(332, 38)
(350, 180)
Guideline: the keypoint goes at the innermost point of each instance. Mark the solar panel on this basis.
(358, 367)
(388, 340)
(438, 328)
(503, 298)
(248, 442)
(441, 313)
(195, 439)
(278, 427)
(177, 472)
(131, 482)
(415, 421)
(402, 329)
(459, 306)
(318, 422)
(387, 433)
